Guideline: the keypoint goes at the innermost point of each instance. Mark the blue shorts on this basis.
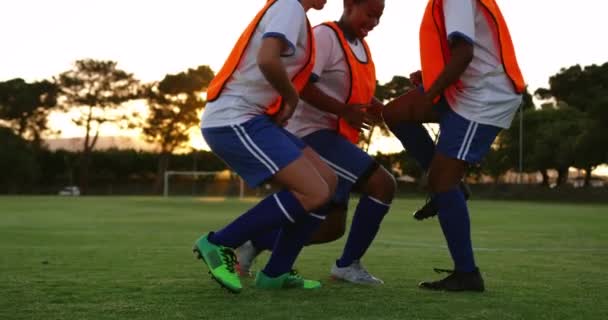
(256, 149)
(351, 164)
(463, 139)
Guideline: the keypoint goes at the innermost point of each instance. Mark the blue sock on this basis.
(290, 241)
(454, 219)
(273, 212)
(363, 230)
(417, 141)
(266, 241)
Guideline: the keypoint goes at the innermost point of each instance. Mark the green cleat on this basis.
(285, 281)
(221, 261)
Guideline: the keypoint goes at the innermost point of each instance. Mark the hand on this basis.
(416, 78)
(287, 109)
(375, 110)
(358, 117)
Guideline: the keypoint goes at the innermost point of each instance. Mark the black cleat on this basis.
(430, 210)
(427, 211)
(456, 281)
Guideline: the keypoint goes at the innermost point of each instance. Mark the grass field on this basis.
(130, 258)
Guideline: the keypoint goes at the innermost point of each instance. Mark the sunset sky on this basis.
(156, 37)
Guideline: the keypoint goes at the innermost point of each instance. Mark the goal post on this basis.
(196, 174)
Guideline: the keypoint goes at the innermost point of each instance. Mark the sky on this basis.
(153, 38)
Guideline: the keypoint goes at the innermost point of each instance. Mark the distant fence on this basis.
(197, 187)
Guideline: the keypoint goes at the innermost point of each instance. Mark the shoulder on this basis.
(456, 7)
(323, 30)
(324, 34)
(288, 9)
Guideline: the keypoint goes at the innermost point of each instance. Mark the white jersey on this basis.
(332, 76)
(485, 93)
(247, 93)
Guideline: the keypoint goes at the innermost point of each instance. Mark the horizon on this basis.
(166, 37)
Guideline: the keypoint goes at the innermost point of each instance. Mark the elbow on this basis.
(466, 52)
(468, 55)
(264, 63)
(462, 52)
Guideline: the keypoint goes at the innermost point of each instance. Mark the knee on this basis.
(327, 235)
(332, 183)
(382, 185)
(336, 233)
(333, 228)
(318, 196)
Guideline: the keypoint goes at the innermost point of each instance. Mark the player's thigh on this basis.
(380, 185)
(402, 110)
(461, 142)
(260, 151)
(346, 160)
(322, 168)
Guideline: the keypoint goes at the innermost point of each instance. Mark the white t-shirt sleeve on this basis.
(284, 20)
(459, 18)
(325, 43)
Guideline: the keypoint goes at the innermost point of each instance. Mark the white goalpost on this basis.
(195, 174)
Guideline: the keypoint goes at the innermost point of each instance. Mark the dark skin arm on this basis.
(415, 106)
(269, 62)
(354, 114)
(461, 52)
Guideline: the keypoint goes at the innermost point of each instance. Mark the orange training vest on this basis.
(362, 80)
(223, 76)
(435, 51)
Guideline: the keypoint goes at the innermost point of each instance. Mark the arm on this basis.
(355, 114)
(459, 18)
(269, 62)
(417, 106)
(461, 54)
(320, 100)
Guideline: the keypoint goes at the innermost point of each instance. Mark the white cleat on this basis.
(245, 255)
(355, 273)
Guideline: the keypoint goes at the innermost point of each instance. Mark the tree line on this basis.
(564, 131)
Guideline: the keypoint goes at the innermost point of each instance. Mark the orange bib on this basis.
(223, 76)
(362, 80)
(435, 50)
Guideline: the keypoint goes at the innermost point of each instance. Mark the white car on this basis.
(70, 191)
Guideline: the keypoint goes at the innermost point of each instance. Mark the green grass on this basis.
(130, 258)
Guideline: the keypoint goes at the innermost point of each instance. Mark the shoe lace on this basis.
(361, 273)
(295, 274)
(452, 274)
(439, 270)
(229, 259)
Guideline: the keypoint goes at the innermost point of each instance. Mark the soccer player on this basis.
(335, 109)
(251, 97)
(472, 86)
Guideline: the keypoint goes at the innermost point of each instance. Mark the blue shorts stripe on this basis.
(344, 158)
(464, 141)
(248, 147)
(255, 147)
(473, 132)
(341, 171)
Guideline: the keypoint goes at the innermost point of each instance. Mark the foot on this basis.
(430, 210)
(355, 273)
(285, 281)
(221, 262)
(246, 255)
(456, 281)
